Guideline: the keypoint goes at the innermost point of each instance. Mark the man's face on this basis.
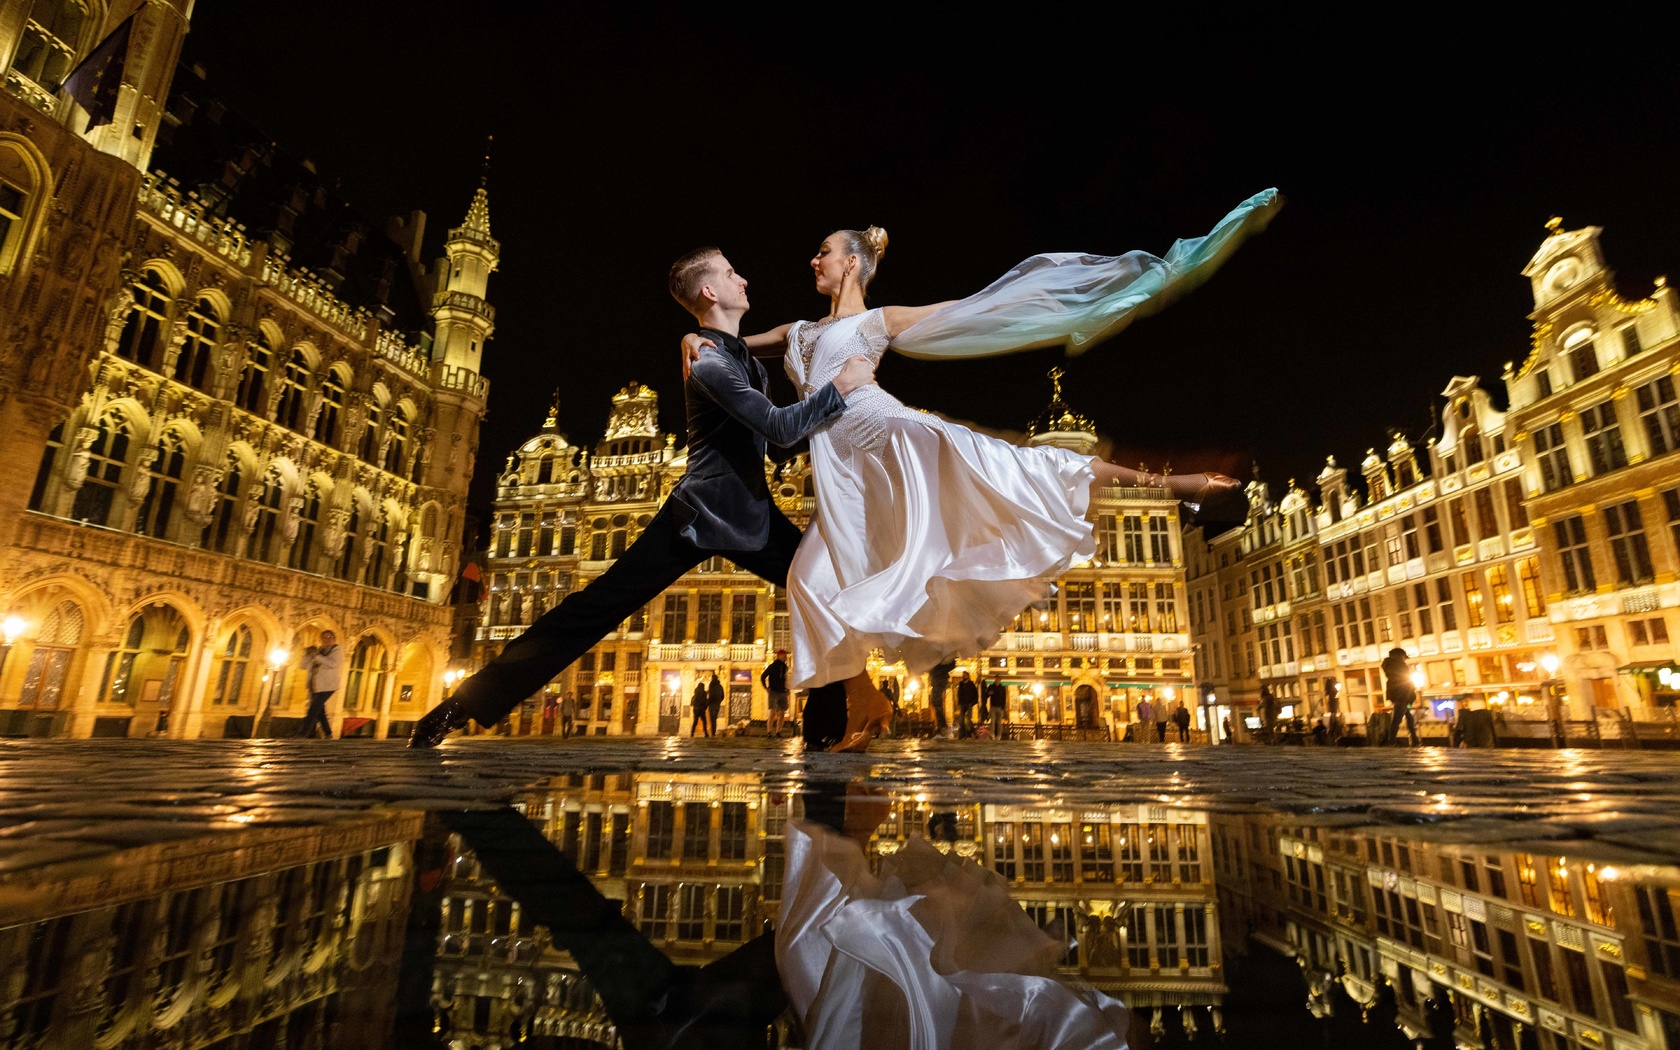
(726, 287)
(329, 638)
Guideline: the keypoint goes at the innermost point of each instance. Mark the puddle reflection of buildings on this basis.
(697, 862)
(1527, 949)
(262, 938)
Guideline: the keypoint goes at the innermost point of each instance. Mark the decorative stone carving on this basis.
(201, 496)
(142, 480)
(80, 457)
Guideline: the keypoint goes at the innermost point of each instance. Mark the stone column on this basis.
(195, 688)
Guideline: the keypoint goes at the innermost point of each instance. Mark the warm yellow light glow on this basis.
(1550, 662)
(12, 626)
(278, 657)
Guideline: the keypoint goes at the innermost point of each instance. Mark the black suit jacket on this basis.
(723, 501)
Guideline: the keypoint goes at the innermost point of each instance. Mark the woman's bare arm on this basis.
(898, 318)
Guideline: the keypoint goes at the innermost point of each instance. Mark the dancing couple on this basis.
(928, 538)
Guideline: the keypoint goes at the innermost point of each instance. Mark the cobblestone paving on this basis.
(79, 802)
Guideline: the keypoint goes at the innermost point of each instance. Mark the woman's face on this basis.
(830, 265)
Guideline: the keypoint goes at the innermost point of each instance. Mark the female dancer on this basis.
(929, 537)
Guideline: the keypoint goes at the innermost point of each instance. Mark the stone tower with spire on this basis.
(465, 320)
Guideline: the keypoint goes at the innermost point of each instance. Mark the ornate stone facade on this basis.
(1074, 664)
(1526, 560)
(215, 453)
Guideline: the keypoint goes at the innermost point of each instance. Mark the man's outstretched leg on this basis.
(655, 1004)
(657, 559)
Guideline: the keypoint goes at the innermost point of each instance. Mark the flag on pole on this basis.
(93, 84)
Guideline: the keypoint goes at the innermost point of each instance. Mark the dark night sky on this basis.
(1420, 161)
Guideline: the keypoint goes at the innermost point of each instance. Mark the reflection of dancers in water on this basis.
(932, 954)
(928, 537)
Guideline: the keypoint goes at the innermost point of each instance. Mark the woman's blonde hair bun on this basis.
(877, 238)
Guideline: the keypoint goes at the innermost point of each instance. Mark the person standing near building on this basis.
(323, 667)
(714, 704)
(698, 702)
(568, 715)
(1145, 719)
(774, 680)
(1402, 694)
(939, 681)
(968, 697)
(1181, 719)
(1162, 714)
(998, 701)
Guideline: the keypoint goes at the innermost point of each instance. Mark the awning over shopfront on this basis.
(1647, 668)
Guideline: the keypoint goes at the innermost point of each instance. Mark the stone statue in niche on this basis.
(80, 458)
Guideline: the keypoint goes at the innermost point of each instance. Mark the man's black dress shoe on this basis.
(438, 723)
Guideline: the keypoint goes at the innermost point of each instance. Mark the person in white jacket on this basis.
(324, 666)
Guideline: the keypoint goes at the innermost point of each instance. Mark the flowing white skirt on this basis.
(933, 955)
(927, 543)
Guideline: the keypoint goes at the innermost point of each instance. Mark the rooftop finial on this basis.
(1554, 223)
(1056, 375)
(553, 419)
(484, 173)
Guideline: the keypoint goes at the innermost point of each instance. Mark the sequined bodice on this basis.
(816, 353)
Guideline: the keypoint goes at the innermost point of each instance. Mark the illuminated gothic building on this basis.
(237, 414)
(261, 937)
(1075, 664)
(1598, 424)
(1522, 556)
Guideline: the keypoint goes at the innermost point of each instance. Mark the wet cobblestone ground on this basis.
(63, 802)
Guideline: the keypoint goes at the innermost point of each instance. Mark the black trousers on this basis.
(317, 715)
(658, 559)
(655, 1004)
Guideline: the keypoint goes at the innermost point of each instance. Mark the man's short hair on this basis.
(688, 274)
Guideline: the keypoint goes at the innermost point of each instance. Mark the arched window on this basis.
(368, 450)
(545, 469)
(220, 534)
(396, 447)
(17, 187)
(346, 567)
(106, 458)
(302, 557)
(47, 52)
(49, 662)
(620, 535)
(158, 508)
(379, 552)
(265, 536)
(154, 648)
(144, 333)
(230, 671)
(598, 540)
(294, 385)
(369, 666)
(49, 458)
(204, 333)
(253, 381)
(332, 409)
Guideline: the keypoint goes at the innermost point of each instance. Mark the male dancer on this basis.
(721, 506)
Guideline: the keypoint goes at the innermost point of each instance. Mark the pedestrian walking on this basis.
(774, 680)
(1402, 694)
(939, 682)
(323, 672)
(1181, 719)
(997, 703)
(1162, 713)
(568, 715)
(714, 704)
(698, 702)
(1145, 718)
(968, 698)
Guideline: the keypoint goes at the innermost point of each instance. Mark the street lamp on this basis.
(1554, 698)
(278, 658)
(11, 627)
